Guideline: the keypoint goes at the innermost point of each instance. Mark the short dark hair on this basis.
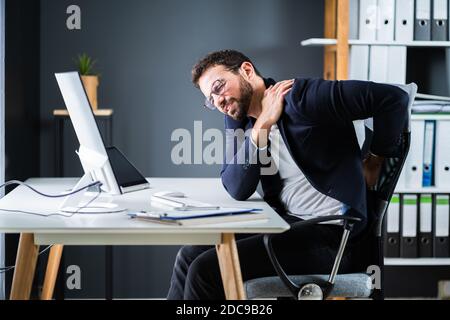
(231, 59)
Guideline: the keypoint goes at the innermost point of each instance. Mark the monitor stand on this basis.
(76, 204)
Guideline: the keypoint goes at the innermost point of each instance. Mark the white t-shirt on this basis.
(298, 196)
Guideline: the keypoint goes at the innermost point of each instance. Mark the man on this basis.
(320, 166)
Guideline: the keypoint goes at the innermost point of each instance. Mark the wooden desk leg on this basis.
(230, 268)
(51, 273)
(27, 255)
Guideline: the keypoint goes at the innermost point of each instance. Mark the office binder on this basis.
(354, 19)
(359, 63)
(428, 154)
(401, 183)
(385, 20)
(439, 28)
(368, 20)
(408, 240)
(397, 59)
(422, 24)
(404, 20)
(378, 65)
(413, 167)
(441, 226)
(392, 241)
(198, 218)
(426, 226)
(442, 154)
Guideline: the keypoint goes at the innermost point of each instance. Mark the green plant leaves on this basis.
(85, 64)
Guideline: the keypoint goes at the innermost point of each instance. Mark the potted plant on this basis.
(90, 79)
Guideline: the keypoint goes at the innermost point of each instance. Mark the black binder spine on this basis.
(426, 226)
(409, 218)
(441, 226)
(392, 228)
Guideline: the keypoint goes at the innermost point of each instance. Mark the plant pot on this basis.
(90, 84)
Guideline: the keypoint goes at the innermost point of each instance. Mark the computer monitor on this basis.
(116, 178)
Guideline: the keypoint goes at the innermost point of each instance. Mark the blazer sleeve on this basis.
(242, 161)
(338, 103)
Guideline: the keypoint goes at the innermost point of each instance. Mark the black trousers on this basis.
(196, 274)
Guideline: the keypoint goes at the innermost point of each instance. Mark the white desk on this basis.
(118, 229)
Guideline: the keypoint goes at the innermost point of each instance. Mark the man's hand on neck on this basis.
(271, 107)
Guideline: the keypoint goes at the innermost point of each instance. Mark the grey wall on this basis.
(145, 51)
(21, 101)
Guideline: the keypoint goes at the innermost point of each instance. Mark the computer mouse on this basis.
(174, 194)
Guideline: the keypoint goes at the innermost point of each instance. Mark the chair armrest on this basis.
(304, 223)
(294, 288)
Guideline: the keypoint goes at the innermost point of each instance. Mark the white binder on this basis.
(409, 221)
(359, 63)
(385, 20)
(359, 70)
(426, 226)
(392, 243)
(378, 67)
(393, 215)
(442, 156)
(404, 20)
(396, 71)
(413, 168)
(442, 216)
(441, 226)
(408, 247)
(368, 20)
(426, 213)
(354, 20)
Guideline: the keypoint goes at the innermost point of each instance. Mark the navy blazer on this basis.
(317, 128)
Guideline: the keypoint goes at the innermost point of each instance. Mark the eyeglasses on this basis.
(217, 88)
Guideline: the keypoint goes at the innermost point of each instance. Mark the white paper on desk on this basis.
(183, 215)
(182, 204)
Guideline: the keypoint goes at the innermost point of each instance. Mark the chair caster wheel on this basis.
(310, 291)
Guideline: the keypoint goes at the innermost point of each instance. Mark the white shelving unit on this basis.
(434, 116)
(319, 42)
(423, 190)
(337, 45)
(417, 262)
(432, 190)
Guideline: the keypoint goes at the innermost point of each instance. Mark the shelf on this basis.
(423, 190)
(98, 112)
(417, 262)
(315, 42)
(430, 116)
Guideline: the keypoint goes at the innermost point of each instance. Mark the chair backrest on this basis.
(380, 196)
(392, 167)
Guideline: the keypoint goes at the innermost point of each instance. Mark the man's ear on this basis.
(247, 71)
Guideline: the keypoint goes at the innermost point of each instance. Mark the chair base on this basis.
(356, 285)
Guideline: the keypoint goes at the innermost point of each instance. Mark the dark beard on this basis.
(243, 103)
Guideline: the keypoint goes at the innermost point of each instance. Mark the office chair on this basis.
(352, 285)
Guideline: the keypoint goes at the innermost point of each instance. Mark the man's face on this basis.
(229, 92)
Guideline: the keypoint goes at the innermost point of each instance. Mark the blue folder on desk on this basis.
(208, 216)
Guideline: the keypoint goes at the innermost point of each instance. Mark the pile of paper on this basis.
(200, 217)
(431, 104)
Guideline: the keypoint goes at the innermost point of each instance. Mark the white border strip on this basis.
(2, 135)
